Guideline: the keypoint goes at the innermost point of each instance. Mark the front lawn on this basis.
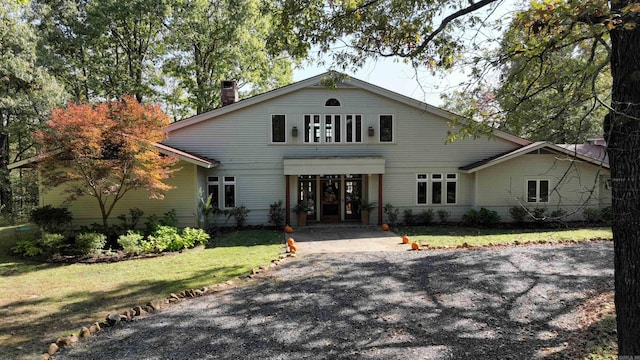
(449, 236)
(40, 302)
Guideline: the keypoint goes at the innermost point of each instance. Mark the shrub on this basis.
(425, 217)
(558, 213)
(193, 237)
(240, 215)
(407, 217)
(169, 218)
(130, 222)
(538, 214)
(131, 242)
(482, 217)
(592, 215)
(28, 248)
(443, 215)
(276, 214)
(164, 238)
(607, 214)
(90, 243)
(518, 213)
(51, 219)
(392, 214)
(52, 243)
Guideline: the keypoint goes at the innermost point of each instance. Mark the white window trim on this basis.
(426, 181)
(537, 180)
(393, 129)
(211, 182)
(344, 131)
(223, 200)
(305, 131)
(323, 128)
(447, 180)
(286, 126)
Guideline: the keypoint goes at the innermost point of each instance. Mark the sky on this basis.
(401, 78)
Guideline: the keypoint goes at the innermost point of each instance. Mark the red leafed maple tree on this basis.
(105, 151)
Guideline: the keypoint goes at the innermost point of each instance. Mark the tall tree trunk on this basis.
(5, 182)
(622, 128)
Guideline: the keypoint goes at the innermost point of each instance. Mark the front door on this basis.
(352, 196)
(330, 200)
(307, 192)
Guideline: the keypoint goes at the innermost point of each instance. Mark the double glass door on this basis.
(332, 198)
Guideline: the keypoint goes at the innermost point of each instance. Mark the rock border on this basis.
(150, 307)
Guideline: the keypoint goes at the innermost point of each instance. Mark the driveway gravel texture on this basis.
(514, 302)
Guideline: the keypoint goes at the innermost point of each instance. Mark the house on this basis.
(336, 146)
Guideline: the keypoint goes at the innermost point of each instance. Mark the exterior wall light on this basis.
(294, 131)
(371, 131)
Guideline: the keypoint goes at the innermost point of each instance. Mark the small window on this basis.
(353, 128)
(278, 129)
(229, 192)
(332, 102)
(332, 128)
(436, 188)
(451, 188)
(421, 180)
(386, 128)
(537, 191)
(213, 190)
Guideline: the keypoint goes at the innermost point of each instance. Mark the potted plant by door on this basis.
(365, 209)
(301, 210)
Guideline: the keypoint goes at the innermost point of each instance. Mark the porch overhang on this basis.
(334, 165)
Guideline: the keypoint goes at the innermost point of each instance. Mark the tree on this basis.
(105, 151)
(429, 34)
(27, 92)
(214, 40)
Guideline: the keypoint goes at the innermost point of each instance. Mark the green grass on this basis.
(40, 302)
(446, 236)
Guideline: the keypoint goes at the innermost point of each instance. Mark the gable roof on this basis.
(317, 81)
(163, 149)
(583, 153)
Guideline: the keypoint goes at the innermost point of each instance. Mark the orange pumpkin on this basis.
(415, 246)
(293, 248)
(290, 241)
(288, 229)
(385, 227)
(405, 239)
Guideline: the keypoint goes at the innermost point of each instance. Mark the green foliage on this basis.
(131, 242)
(592, 215)
(169, 218)
(276, 214)
(407, 217)
(607, 214)
(52, 243)
(443, 215)
(483, 217)
(90, 243)
(538, 214)
(193, 237)
(52, 219)
(29, 248)
(518, 213)
(240, 213)
(163, 238)
(392, 214)
(425, 217)
(558, 214)
(132, 220)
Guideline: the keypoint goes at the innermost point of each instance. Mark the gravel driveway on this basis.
(499, 303)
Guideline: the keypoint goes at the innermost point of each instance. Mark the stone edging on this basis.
(151, 307)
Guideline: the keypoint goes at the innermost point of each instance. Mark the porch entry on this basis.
(333, 198)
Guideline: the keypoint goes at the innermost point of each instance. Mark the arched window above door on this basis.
(332, 102)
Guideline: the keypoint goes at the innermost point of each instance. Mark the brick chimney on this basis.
(229, 92)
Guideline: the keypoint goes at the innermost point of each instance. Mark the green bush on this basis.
(130, 222)
(276, 214)
(443, 215)
(482, 217)
(51, 219)
(170, 218)
(392, 214)
(539, 214)
(52, 243)
(518, 213)
(607, 214)
(558, 213)
(164, 238)
(425, 217)
(407, 217)
(193, 237)
(90, 243)
(592, 215)
(240, 215)
(131, 242)
(27, 248)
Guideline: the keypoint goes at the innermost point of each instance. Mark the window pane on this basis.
(328, 129)
(531, 191)
(451, 192)
(422, 176)
(337, 128)
(358, 128)
(277, 128)
(212, 190)
(307, 128)
(349, 128)
(316, 128)
(544, 190)
(229, 196)
(436, 193)
(422, 192)
(386, 128)
(332, 102)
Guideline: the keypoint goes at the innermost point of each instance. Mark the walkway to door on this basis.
(317, 239)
